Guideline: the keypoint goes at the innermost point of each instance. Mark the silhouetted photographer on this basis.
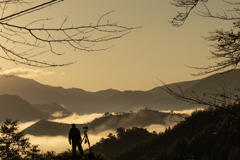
(75, 139)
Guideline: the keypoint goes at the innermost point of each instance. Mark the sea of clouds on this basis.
(60, 143)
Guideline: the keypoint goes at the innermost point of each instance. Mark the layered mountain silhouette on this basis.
(37, 93)
(12, 106)
(54, 109)
(110, 100)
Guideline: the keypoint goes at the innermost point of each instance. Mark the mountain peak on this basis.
(12, 106)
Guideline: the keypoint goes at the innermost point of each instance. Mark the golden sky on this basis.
(155, 50)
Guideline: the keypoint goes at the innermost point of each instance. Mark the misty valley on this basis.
(48, 133)
(122, 125)
(119, 80)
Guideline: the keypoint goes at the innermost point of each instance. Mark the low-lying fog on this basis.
(60, 143)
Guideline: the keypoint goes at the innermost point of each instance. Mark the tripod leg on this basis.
(82, 139)
(88, 141)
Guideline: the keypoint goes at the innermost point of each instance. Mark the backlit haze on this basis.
(155, 50)
(60, 143)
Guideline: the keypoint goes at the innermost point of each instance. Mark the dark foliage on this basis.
(209, 134)
(125, 139)
(14, 145)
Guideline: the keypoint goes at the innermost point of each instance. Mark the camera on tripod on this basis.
(86, 136)
(85, 130)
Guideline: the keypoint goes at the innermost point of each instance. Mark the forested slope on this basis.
(125, 139)
(211, 134)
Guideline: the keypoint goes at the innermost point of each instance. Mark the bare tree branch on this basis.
(227, 47)
(222, 101)
(181, 17)
(44, 40)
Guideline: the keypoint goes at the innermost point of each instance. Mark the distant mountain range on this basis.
(54, 109)
(110, 100)
(12, 106)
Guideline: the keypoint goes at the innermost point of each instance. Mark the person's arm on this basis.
(69, 137)
(80, 136)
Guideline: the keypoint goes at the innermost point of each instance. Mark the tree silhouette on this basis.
(220, 99)
(36, 39)
(120, 132)
(227, 48)
(14, 145)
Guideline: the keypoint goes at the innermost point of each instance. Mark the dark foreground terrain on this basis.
(210, 134)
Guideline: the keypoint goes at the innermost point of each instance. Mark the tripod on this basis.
(85, 136)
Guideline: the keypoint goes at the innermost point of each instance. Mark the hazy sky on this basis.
(155, 50)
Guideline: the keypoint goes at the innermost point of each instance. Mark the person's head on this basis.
(73, 125)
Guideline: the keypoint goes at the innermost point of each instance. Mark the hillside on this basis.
(185, 85)
(54, 109)
(106, 93)
(124, 139)
(142, 118)
(37, 93)
(121, 99)
(161, 103)
(211, 134)
(12, 106)
(218, 82)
